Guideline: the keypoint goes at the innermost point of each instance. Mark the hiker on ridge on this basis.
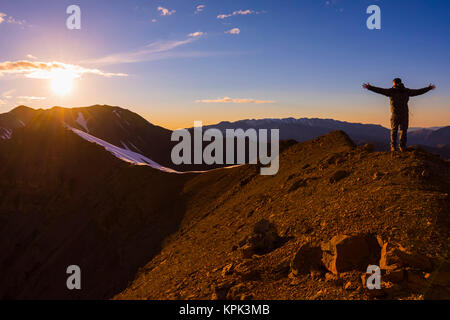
(399, 96)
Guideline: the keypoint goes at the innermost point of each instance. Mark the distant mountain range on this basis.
(134, 139)
(436, 140)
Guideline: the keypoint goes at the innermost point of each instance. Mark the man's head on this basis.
(396, 82)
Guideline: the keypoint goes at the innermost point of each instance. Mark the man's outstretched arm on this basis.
(385, 92)
(418, 92)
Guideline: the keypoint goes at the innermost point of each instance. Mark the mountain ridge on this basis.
(67, 201)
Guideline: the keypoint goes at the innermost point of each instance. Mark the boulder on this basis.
(221, 290)
(345, 253)
(262, 240)
(395, 257)
(338, 175)
(395, 276)
(237, 292)
(308, 258)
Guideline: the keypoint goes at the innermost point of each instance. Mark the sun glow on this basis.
(61, 81)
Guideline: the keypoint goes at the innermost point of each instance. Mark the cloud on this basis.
(234, 31)
(166, 12)
(197, 34)
(8, 19)
(231, 100)
(45, 70)
(30, 56)
(154, 20)
(200, 8)
(237, 13)
(31, 98)
(8, 94)
(154, 51)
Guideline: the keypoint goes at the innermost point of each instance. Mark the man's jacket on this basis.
(399, 96)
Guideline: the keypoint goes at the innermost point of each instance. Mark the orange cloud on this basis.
(45, 70)
(231, 100)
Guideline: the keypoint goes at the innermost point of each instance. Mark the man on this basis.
(399, 96)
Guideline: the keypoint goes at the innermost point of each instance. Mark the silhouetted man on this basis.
(399, 96)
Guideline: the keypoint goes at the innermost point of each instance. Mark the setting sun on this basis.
(62, 82)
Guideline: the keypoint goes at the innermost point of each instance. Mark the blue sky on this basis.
(303, 58)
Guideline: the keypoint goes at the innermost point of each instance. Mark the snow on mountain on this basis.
(82, 121)
(5, 133)
(123, 154)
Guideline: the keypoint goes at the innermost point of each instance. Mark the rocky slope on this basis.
(307, 232)
(310, 231)
(67, 201)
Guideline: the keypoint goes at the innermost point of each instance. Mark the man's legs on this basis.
(394, 132)
(404, 123)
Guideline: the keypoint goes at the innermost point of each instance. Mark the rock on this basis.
(220, 291)
(392, 290)
(348, 286)
(247, 251)
(264, 226)
(416, 280)
(247, 296)
(251, 275)
(377, 175)
(298, 184)
(227, 270)
(368, 147)
(338, 175)
(331, 277)
(345, 253)
(440, 278)
(247, 272)
(308, 258)
(375, 293)
(264, 239)
(282, 269)
(236, 292)
(395, 257)
(394, 276)
(317, 295)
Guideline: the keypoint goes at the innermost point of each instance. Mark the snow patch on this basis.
(123, 154)
(82, 121)
(135, 148)
(5, 134)
(116, 113)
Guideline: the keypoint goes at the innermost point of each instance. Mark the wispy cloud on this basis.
(199, 8)
(154, 51)
(196, 34)
(238, 13)
(232, 100)
(32, 98)
(8, 94)
(166, 12)
(45, 70)
(11, 20)
(30, 56)
(234, 31)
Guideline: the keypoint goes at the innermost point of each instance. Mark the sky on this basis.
(179, 61)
